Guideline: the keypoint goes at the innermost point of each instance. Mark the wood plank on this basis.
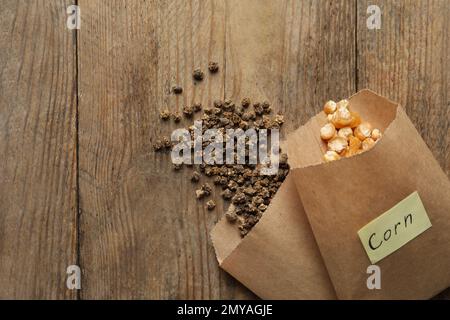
(143, 235)
(407, 60)
(295, 54)
(37, 150)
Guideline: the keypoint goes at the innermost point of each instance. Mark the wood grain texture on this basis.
(37, 150)
(143, 235)
(295, 54)
(407, 60)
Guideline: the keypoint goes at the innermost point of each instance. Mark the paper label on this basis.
(394, 228)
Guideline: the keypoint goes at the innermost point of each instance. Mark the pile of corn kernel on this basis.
(345, 133)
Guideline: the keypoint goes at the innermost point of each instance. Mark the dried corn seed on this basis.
(213, 67)
(164, 115)
(337, 144)
(376, 134)
(342, 118)
(356, 119)
(331, 156)
(363, 131)
(345, 132)
(210, 205)
(343, 104)
(198, 74)
(354, 144)
(367, 144)
(328, 131)
(329, 107)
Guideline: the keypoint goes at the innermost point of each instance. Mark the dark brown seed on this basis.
(176, 116)
(218, 104)
(245, 102)
(213, 67)
(197, 107)
(195, 176)
(164, 115)
(206, 189)
(198, 74)
(227, 194)
(177, 89)
(231, 216)
(210, 205)
(200, 193)
(158, 145)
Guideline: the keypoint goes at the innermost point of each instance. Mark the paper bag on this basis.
(279, 258)
(343, 196)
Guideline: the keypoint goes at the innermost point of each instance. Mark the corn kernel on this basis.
(367, 144)
(330, 117)
(342, 118)
(331, 156)
(329, 107)
(345, 132)
(363, 131)
(376, 134)
(328, 131)
(337, 144)
(356, 119)
(343, 104)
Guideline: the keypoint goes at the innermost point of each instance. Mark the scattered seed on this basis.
(197, 107)
(210, 205)
(195, 176)
(198, 74)
(177, 89)
(176, 116)
(188, 111)
(213, 67)
(164, 115)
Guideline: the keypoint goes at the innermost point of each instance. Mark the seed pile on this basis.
(243, 185)
(345, 133)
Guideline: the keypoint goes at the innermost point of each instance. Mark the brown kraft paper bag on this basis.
(279, 258)
(343, 196)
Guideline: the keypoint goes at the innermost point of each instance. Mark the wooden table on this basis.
(79, 182)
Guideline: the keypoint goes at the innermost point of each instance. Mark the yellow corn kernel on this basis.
(345, 132)
(356, 119)
(328, 131)
(367, 144)
(342, 118)
(331, 156)
(329, 107)
(337, 144)
(343, 104)
(376, 134)
(363, 131)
